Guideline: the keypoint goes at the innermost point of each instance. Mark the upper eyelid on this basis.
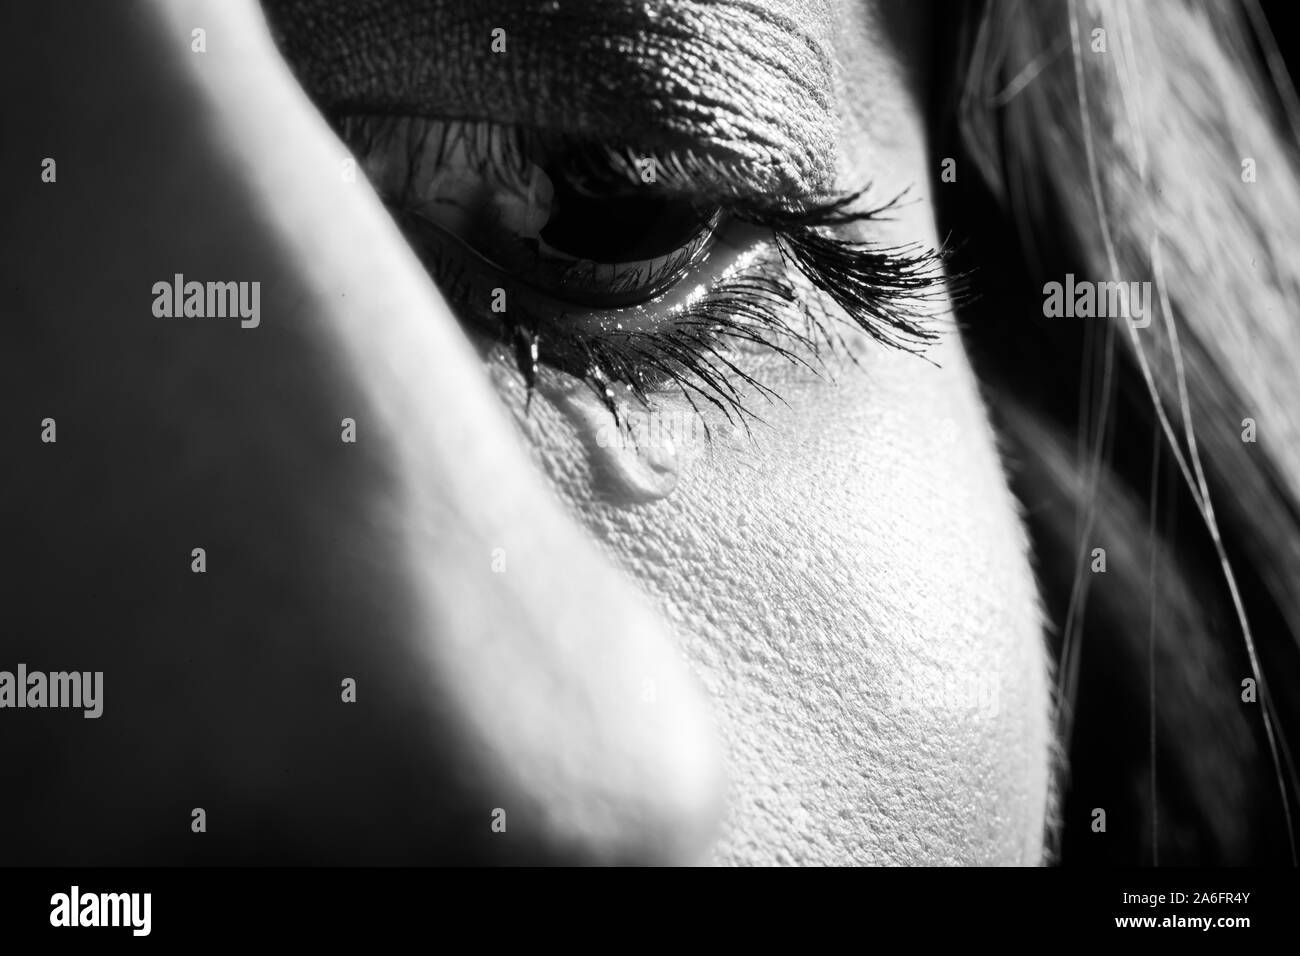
(910, 275)
(731, 94)
(505, 149)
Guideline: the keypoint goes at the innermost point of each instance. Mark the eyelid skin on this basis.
(741, 93)
(522, 689)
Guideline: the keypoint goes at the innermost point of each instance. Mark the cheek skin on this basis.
(854, 591)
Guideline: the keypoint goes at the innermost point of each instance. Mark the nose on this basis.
(401, 648)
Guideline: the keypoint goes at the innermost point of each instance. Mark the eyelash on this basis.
(887, 292)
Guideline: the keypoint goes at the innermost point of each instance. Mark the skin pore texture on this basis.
(823, 646)
(851, 583)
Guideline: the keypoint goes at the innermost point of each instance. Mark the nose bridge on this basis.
(551, 676)
(500, 663)
(564, 690)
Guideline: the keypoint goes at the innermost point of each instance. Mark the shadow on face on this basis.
(448, 631)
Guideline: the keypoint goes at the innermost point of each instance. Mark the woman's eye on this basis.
(535, 249)
(470, 191)
(593, 250)
(560, 251)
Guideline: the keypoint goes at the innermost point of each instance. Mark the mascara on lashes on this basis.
(807, 272)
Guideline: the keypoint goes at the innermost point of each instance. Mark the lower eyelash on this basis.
(689, 352)
(888, 292)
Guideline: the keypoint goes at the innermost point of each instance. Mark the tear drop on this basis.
(625, 468)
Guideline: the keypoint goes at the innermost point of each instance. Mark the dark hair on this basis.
(1156, 150)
